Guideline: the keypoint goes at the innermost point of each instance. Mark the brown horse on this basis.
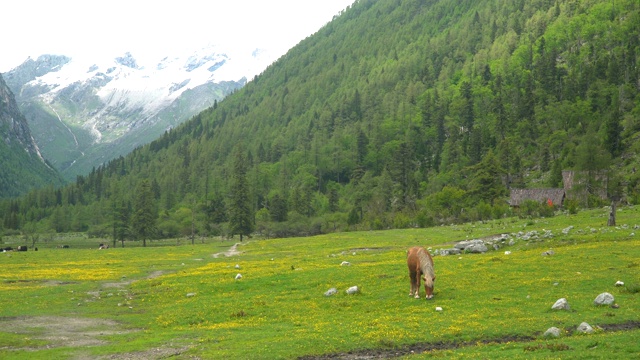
(420, 265)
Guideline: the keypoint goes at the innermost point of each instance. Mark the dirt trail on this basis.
(233, 251)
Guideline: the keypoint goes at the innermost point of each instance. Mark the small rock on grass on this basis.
(604, 299)
(353, 290)
(331, 291)
(561, 304)
(585, 328)
(552, 331)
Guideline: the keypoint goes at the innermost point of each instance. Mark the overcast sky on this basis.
(82, 28)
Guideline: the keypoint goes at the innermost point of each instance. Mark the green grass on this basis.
(278, 310)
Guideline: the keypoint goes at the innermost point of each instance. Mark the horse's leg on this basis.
(412, 279)
(417, 283)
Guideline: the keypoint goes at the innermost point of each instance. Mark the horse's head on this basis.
(428, 286)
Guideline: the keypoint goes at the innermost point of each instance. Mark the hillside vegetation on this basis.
(395, 114)
(21, 165)
(184, 301)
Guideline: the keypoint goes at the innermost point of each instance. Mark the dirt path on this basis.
(233, 251)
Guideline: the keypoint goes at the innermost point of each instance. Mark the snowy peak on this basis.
(127, 60)
(105, 102)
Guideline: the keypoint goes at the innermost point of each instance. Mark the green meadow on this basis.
(183, 301)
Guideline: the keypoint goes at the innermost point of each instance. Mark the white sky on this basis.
(86, 28)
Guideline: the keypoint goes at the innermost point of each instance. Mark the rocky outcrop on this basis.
(23, 167)
(13, 125)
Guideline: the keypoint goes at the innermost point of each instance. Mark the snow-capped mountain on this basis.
(85, 112)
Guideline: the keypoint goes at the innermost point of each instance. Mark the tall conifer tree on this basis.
(240, 214)
(143, 222)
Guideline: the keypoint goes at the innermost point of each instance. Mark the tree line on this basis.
(395, 114)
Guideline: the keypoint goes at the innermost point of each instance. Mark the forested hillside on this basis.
(395, 114)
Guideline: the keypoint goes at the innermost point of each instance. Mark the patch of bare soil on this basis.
(62, 331)
(156, 353)
(386, 353)
(76, 332)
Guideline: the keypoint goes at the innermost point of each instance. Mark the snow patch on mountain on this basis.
(126, 85)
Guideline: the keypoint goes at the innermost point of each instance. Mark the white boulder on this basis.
(604, 299)
(561, 304)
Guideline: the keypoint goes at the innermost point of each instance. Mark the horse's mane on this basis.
(426, 266)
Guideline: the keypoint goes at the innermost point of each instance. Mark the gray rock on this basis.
(466, 243)
(567, 230)
(191, 294)
(548, 253)
(345, 263)
(552, 331)
(561, 304)
(604, 299)
(477, 248)
(331, 291)
(453, 251)
(585, 328)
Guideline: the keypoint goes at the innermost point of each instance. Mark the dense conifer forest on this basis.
(395, 114)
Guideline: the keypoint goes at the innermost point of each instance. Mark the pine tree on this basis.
(240, 214)
(486, 179)
(613, 128)
(143, 222)
(278, 208)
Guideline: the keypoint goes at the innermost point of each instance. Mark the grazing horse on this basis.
(420, 265)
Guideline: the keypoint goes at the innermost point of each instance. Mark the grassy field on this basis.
(183, 301)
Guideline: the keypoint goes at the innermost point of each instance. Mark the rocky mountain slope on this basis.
(84, 113)
(21, 163)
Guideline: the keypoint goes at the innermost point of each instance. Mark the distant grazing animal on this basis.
(22, 248)
(103, 246)
(8, 248)
(420, 265)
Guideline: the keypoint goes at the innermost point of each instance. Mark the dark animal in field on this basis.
(420, 266)
(103, 246)
(8, 248)
(22, 248)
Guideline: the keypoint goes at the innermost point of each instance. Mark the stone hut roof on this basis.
(518, 196)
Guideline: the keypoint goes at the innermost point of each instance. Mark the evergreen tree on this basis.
(121, 219)
(613, 129)
(278, 208)
(486, 180)
(240, 214)
(555, 178)
(143, 222)
(333, 198)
